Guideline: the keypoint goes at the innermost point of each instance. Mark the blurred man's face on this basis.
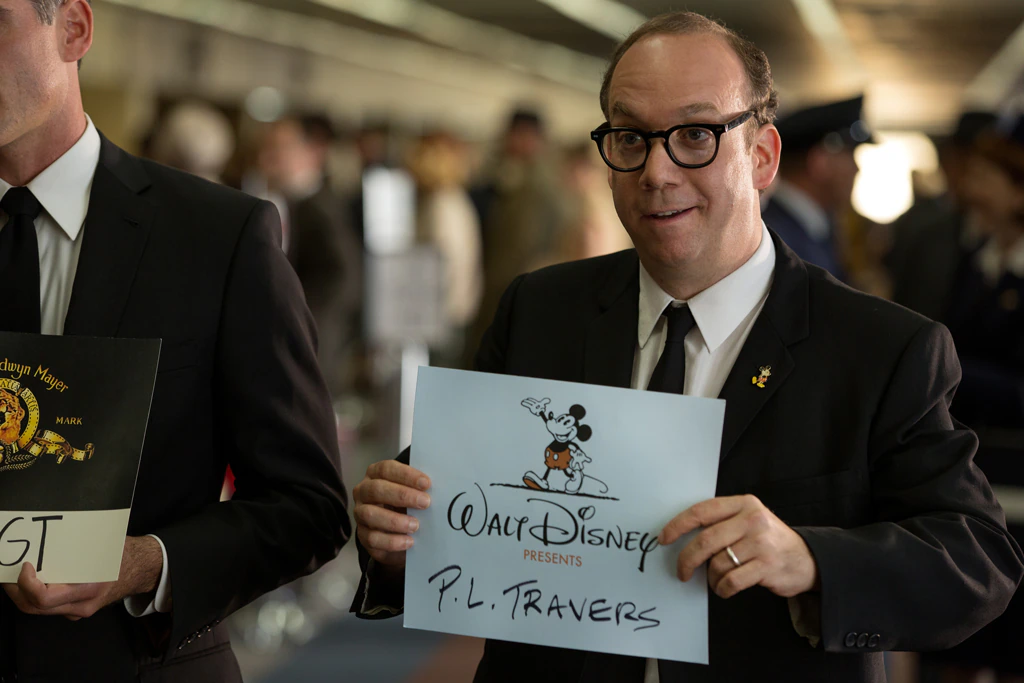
(372, 146)
(836, 171)
(34, 79)
(992, 192)
(288, 159)
(663, 81)
(524, 141)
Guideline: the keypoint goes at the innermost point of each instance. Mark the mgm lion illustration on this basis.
(15, 456)
(13, 413)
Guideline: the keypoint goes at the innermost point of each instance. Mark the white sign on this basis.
(405, 301)
(547, 501)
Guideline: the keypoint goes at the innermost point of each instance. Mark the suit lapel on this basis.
(743, 397)
(783, 321)
(114, 237)
(612, 335)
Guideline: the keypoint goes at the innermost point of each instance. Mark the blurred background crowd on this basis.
(422, 153)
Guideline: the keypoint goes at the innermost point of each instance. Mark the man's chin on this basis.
(679, 236)
(674, 255)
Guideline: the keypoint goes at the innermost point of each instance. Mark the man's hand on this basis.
(141, 564)
(771, 554)
(382, 498)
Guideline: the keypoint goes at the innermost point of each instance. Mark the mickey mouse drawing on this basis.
(563, 454)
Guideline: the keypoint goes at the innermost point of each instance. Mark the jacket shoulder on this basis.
(194, 192)
(576, 278)
(838, 309)
(203, 213)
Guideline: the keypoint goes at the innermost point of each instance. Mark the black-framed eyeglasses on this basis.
(690, 145)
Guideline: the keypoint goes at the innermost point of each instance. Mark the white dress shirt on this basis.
(725, 313)
(63, 189)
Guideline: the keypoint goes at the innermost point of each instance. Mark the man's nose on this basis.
(659, 171)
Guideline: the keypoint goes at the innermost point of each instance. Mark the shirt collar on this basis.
(720, 308)
(808, 212)
(63, 188)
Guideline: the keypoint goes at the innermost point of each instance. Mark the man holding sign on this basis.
(849, 517)
(97, 243)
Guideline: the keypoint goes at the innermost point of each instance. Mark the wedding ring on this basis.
(732, 556)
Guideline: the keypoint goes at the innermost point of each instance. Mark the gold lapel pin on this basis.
(766, 372)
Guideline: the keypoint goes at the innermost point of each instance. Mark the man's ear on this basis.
(75, 23)
(767, 151)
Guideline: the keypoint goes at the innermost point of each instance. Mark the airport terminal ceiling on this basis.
(918, 57)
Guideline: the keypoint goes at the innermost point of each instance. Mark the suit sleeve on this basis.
(381, 591)
(937, 564)
(288, 514)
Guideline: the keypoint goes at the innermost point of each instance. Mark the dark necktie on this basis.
(19, 262)
(670, 373)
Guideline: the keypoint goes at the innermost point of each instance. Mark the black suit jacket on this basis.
(850, 442)
(168, 255)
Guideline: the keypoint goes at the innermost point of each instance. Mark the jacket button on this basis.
(874, 640)
(851, 639)
(862, 640)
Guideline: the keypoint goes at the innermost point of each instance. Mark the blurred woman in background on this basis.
(447, 220)
(593, 227)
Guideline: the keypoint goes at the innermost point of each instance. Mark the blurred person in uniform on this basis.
(197, 138)
(816, 176)
(320, 242)
(447, 220)
(986, 318)
(522, 210)
(930, 240)
(97, 242)
(849, 518)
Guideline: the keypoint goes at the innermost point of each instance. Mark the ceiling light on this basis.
(610, 18)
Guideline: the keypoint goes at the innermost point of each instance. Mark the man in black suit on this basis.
(111, 245)
(321, 245)
(850, 518)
